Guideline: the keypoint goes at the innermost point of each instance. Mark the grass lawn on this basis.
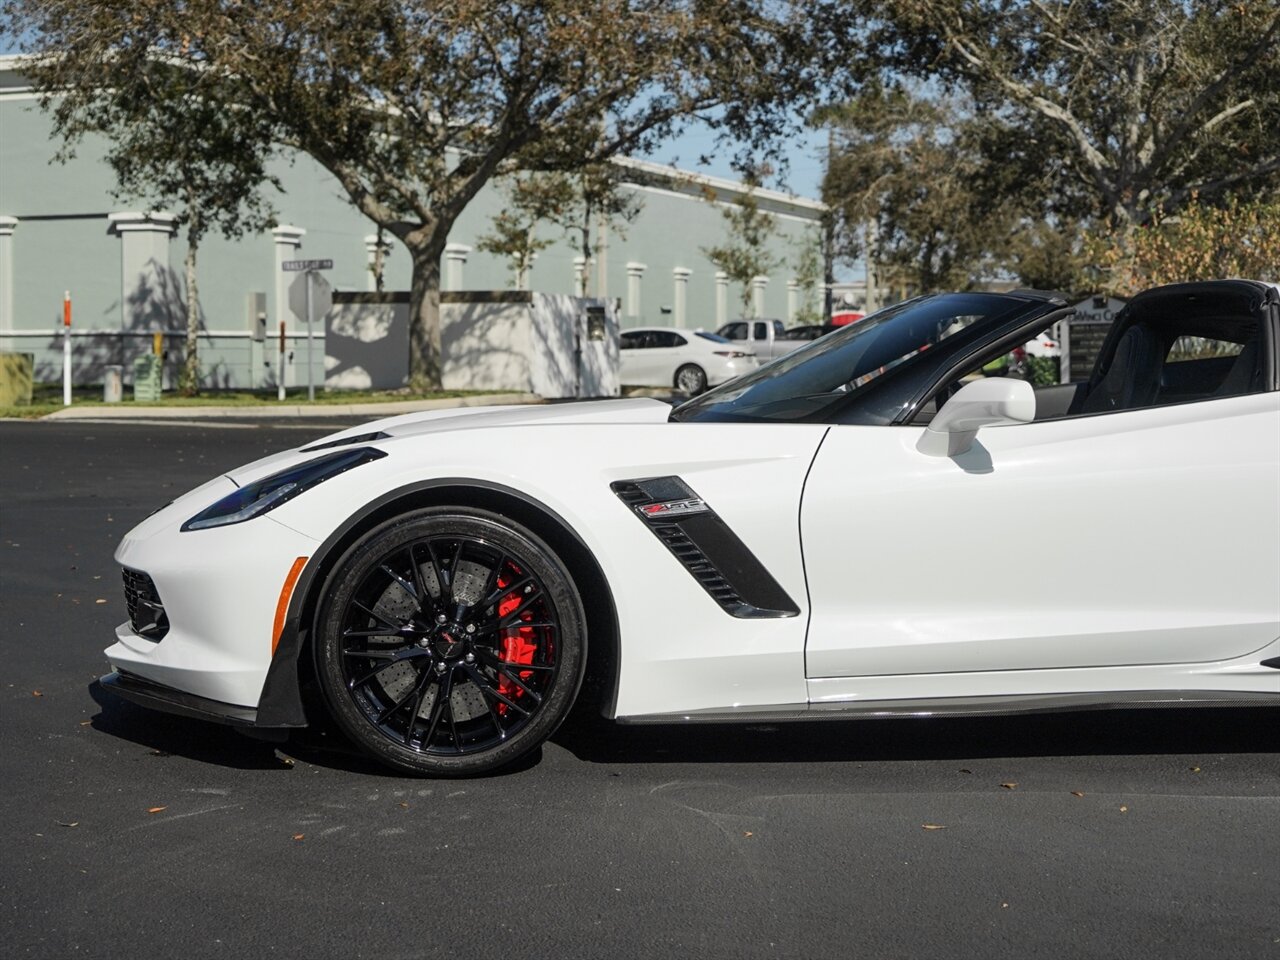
(46, 398)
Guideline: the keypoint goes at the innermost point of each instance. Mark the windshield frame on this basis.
(893, 391)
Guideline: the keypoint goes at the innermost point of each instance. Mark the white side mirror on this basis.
(978, 404)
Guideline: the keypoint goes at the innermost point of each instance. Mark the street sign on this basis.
(294, 266)
(321, 297)
(310, 298)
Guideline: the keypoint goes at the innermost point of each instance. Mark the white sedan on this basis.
(689, 360)
(810, 541)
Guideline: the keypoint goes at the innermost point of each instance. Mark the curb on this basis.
(131, 412)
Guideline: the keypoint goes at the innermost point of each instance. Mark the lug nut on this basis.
(470, 658)
(441, 618)
(441, 668)
(471, 628)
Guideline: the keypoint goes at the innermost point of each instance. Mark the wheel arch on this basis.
(281, 703)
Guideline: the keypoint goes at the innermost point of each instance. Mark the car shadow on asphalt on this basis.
(1144, 732)
(320, 745)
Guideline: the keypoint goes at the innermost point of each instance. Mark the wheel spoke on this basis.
(377, 616)
(399, 632)
(441, 578)
(400, 657)
(404, 584)
(511, 616)
(494, 661)
(424, 595)
(443, 691)
(414, 689)
(492, 597)
(482, 682)
(453, 570)
(492, 581)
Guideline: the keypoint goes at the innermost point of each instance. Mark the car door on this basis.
(1136, 537)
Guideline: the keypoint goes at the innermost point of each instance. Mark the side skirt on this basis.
(965, 707)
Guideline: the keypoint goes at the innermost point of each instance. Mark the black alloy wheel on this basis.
(450, 643)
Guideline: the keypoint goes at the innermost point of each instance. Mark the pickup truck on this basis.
(769, 338)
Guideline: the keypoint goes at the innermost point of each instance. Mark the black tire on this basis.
(691, 379)
(462, 602)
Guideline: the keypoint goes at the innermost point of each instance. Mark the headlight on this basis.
(268, 493)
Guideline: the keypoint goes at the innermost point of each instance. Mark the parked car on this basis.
(809, 541)
(766, 337)
(689, 360)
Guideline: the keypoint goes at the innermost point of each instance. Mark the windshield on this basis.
(713, 337)
(852, 369)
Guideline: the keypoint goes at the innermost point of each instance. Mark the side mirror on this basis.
(978, 404)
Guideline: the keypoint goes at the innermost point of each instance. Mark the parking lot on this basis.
(129, 833)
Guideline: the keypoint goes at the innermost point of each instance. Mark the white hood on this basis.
(641, 410)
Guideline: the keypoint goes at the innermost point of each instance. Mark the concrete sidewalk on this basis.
(130, 411)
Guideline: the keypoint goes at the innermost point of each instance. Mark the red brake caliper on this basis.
(518, 646)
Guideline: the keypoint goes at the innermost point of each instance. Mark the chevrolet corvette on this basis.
(827, 536)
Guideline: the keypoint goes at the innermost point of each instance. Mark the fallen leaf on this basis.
(1009, 786)
(1077, 793)
(405, 805)
(156, 809)
(1004, 905)
(73, 823)
(36, 693)
(158, 753)
(965, 770)
(299, 836)
(747, 833)
(933, 826)
(1194, 769)
(1124, 809)
(100, 600)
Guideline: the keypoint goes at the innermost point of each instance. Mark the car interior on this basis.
(1160, 356)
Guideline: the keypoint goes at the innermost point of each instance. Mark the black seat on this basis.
(1245, 375)
(1133, 378)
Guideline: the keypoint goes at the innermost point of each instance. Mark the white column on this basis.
(793, 299)
(455, 258)
(681, 277)
(635, 273)
(372, 248)
(288, 242)
(722, 298)
(7, 226)
(757, 295)
(150, 296)
(579, 276)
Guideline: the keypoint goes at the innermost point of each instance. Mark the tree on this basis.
(414, 105)
(807, 268)
(171, 147)
(745, 255)
(1135, 105)
(578, 202)
(910, 187)
(1240, 238)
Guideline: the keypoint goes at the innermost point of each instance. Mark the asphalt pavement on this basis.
(130, 834)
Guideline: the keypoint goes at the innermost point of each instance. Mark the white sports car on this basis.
(824, 537)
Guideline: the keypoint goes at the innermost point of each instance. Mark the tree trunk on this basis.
(424, 320)
(189, 381)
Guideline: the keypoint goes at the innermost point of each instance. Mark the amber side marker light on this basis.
(286, 594)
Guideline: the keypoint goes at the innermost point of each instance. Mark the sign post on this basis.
(66, 349)
(280, 368)
(308, 295)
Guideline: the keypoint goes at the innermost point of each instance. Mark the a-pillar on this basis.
(579, 276)
(757, 295)
(793, 299)
(7, 226)
(635, 274)
(377, 251)
(288, 242)
(722, 298)
(681, 277)
(455, 258)
(150, 297)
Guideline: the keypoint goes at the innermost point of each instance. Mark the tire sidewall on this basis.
(385, 540)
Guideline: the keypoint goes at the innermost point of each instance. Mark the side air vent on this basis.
(705, 546)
